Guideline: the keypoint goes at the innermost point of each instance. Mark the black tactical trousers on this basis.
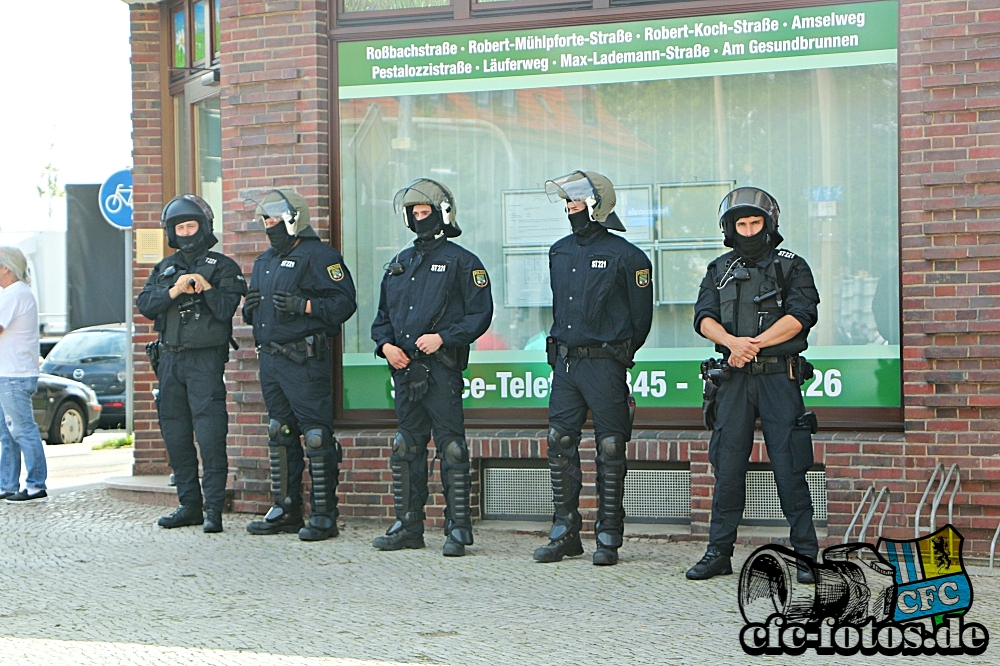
(192, 403)
(298, 396)
(777, 400)
(438, 412)
(597, 384)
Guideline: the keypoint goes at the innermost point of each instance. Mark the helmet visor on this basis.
(273, 205)
(750, 197)
(418, 192)
(574, 186)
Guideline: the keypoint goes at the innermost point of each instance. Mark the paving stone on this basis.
(87, 579)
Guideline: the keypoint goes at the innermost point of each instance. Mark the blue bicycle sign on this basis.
(115, 199)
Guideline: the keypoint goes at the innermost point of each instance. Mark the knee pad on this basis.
(456, 452)
(319, 441)
(611, 448)
(281, 434)
(562, 443)
(406, 449)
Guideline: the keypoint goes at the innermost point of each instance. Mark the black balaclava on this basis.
(582, 225)
(192, 247)
(281, 240)
(427, 228)
(753, 248)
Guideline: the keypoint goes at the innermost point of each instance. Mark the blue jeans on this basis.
(19, 435)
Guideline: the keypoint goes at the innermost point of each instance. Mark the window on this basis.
(804, 111)
(196, 35)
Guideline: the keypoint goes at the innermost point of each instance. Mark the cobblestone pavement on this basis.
(85, 579)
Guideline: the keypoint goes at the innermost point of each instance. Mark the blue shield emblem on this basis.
(930, 575)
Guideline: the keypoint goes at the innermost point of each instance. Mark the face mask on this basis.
(753, 248)
(582, 224)
(281, 241)
(428, 227)
(192, 247)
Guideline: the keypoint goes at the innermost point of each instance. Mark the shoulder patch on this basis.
(786, 254)
(336, 272)
(642, 278)
(479, 278)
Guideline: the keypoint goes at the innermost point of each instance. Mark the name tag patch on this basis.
(288, 263)
(599, 263)
(211, 260)
(786, 254)
(438, 268)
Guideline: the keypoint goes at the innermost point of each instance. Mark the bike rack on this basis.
(938, 495)
(993, 546)
(871, 513)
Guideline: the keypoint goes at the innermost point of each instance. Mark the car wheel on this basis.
(69, 426)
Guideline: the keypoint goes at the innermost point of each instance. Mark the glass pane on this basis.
(200, 34)
(180, 40)
(385, 5)
(208, 127)
(217, 29)
(88, 345)
(823, 141)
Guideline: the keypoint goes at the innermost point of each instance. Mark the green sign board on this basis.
(861, 376)
(771, 41)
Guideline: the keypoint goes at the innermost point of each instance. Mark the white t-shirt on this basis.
(19, 340)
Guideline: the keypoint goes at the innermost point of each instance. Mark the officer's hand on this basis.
(743, 350)
(250, 305)
(429, 343)
(200, 283)
(397, 357)
(183, 285)
(290, 303)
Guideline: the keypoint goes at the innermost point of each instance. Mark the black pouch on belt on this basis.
(551, 351)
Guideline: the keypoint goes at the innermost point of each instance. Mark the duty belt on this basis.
(177, 348)
(447, 356)
(591, 351)
(765, 365)
(312, 346)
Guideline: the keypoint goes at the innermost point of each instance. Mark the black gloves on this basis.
(250, 305)
(290, 303)
(416, 381)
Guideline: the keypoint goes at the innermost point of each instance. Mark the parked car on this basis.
(95, 355)
(65, 410)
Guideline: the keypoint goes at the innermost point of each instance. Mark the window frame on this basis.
(472, 17)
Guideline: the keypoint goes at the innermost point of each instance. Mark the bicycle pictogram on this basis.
(122, 197)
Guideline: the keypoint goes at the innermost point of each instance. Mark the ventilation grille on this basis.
(762, 496)
(650, 495)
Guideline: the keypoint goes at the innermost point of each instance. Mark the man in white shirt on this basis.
(18, 381)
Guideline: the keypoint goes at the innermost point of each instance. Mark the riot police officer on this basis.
(602, 307)
(300, 294)
(435, 300)
(192, 296)
(757, 304)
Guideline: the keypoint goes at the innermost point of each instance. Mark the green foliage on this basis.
(118, 443)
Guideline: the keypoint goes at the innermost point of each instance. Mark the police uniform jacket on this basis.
(193, 321)
(601, 291)
(443, 289)
(313, 269)
(733, 305)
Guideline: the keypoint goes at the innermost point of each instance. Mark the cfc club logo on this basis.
(906, 597)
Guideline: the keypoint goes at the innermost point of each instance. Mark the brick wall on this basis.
(275, 110)
(147, 200)
(275, 134)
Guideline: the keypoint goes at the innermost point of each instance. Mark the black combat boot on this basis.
(605, 556)
(278, 520)
(713, 563)
(182, 517)
(321, 526)
(452, 548)
(568, 545)
(213, 521)
(398, 538)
